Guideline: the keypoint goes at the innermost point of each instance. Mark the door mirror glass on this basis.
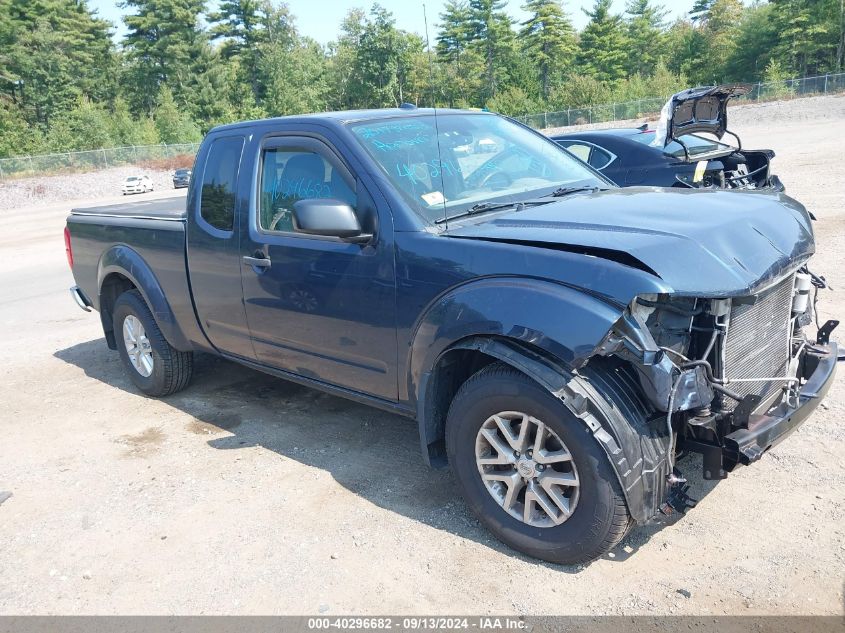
(325, 216)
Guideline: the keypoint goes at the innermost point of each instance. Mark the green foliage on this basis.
(513, 102)
(165, 45)
(293, 76)
(187, 65)
(16, 136)
(578, 91)
(604, 44)
(776, 78)
(173, 125)
(645, 30)
(549, 40)
(758, 35)
(493, 40)
(60, 51)
(86, 126)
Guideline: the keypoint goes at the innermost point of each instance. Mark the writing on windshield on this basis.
(445, 165)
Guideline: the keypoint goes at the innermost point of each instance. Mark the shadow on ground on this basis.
(370, 452)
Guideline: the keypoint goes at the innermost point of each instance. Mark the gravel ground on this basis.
(246, 494)
(23, 192)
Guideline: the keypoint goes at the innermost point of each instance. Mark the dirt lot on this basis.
(245, 494)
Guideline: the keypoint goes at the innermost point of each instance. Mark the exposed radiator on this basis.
(758, 340)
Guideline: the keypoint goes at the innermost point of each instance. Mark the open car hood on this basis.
(703, 109)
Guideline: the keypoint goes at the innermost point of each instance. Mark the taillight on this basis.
(68, 249)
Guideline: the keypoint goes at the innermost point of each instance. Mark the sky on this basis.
(320, 19)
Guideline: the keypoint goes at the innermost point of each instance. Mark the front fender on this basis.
(125, 261)
(565, 322)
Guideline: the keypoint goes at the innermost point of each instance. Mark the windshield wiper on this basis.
(565, 191)
(483, 207)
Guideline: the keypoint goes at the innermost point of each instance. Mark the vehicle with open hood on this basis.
(560, 341)
(684, 149)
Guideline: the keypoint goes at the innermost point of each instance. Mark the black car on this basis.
(673, 154)
(181, 178)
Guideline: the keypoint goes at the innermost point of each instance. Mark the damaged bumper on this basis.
(761, 431)
(747, 445)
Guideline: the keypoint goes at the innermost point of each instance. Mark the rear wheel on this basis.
(155, 366)
(531, 470)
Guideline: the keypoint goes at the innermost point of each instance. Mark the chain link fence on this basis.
(768, 91)
(91, 160)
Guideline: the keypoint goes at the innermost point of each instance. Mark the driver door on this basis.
(321, 308)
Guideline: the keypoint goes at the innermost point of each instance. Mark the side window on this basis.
(580, 150)
(289, 174)
(593, 155)
(217, 196)
(599, 159)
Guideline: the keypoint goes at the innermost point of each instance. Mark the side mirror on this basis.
(329, 217)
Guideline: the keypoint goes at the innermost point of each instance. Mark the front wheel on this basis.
(531, 470)
(155, 366)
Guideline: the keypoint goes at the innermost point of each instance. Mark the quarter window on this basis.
(289, 174)
(581, 151)
(594, 156)
(219, 179)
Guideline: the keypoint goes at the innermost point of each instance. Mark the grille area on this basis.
(757, 343)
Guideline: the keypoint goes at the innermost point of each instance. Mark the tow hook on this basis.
(677, 500)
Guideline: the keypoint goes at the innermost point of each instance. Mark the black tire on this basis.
(600, 519)
(172, 369)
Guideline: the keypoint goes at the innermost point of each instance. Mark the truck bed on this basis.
(143, 241)
(162, 209)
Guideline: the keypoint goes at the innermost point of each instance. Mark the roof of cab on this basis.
(350, 116)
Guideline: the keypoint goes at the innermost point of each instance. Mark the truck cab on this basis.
(558, 340)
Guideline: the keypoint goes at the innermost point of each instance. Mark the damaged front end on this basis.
(728, 377)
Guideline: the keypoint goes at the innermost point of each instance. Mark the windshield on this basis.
(475, 158)
(132, 179)
(697, 145)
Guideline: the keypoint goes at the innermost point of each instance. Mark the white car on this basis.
(137, 184)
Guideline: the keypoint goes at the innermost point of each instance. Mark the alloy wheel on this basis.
(138, 345)
(527, 469)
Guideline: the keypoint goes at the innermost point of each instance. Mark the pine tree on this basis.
(811, 34)
(459, 65)
(454, 35)
(165, 46)
(58, 51)
(549, 39)
(492, 37)
(645, 36)
(246, 28)
(239, 24)
(700, 10)
(603, 47)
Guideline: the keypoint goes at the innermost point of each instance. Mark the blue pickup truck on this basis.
(559, 341)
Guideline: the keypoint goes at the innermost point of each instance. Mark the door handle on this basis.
(257, 262)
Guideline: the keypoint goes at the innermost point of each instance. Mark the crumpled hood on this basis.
(705, 243)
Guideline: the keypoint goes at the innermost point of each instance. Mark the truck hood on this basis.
(701, 243)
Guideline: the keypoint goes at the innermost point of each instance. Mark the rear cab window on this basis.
(219, 181)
